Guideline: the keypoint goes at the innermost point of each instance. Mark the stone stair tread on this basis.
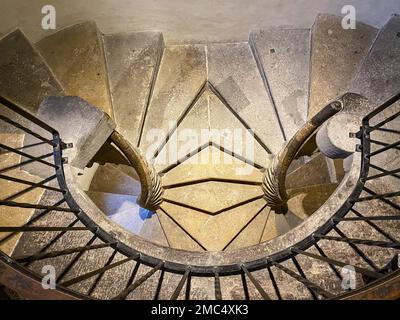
(75, 55)
(284, 56)
(147, 290)
(13, 216)
(213, 196)
(232, 70)
(132, 61)
(13, 140)
(213, 167)
(379, 75)
(270, 230)
(286, 222)
(187, 136)
(336, 56)
(109, 179)
(306, 200)
(181, 75)
(378, 80)
(25, 77)
(114, 280)
(177, 238)
(208, 121)
(253, 232)
(314, 172)
(213, 232)
(221, 119)
(127, 169)
(31, 242)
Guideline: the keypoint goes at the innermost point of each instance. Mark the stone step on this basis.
(225, 91)
(13, 140)
(25, 77)
(286, 222)
(318, 170)
(212, 164)
(304, 201)
(213, 232)
(177, 237)
(13, 216)
(378, 80)
(123, 210)
(75, 55)
(209, 120)
(132, 65)
(379, 75)
(233, 71)
(181, 75)
(254, 233)
(283, 56)
(336, 56)
(212, 196)
(109, 179)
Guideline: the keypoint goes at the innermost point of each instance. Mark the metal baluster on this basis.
(256, 284)
(181, 283)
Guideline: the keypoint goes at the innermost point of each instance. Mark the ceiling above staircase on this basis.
(184, 21)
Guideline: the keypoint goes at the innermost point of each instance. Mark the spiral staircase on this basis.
(89, 184)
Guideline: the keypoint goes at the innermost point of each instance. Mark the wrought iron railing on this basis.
(15, 273)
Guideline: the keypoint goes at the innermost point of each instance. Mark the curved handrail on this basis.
(151, 191)
(275, 176)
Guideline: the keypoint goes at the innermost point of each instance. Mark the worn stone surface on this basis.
(13, 140)
(124, 210)
(253, 233)
(132, 61)
(284, 56)
(212, 164)
(176, 236)
(110, 179)
(290, 288)
(233, 72)
(25, 78)
(147, 290)
(13, 216)
(234, 136)
(182, 73)
(75, 55)
(214, 232)
(213, 196)
(192, 132)
(209, 120)
(115, 280)
(304, 201)
(270, 230)
(379, 75)
(31, 243)
(202, 288)
(286, 222)
(313, 172)
(379, 79)
(79, 123)
(336, 56)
